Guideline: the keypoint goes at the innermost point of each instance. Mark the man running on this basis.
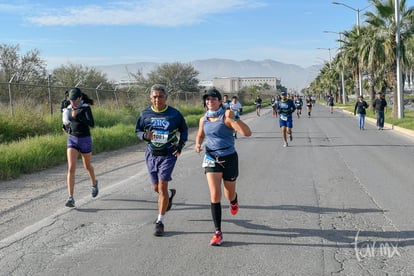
(285, 108)
(298, 104)
(158, 126)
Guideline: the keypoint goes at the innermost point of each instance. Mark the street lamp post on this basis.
(358, 11)
(330, 58)
(330, 63)
(342, 67)
(400, 91)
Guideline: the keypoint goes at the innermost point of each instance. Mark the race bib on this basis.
(160, 136)
(208, 161)
(283, 117)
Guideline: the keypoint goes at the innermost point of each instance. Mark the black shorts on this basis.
(228, 165)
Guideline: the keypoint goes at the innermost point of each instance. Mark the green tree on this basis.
(73, 74)
(410, 56)
(373, 58)
(350, 54)
(177, 77)
(384, 22)
(22, 70)
(29, 67)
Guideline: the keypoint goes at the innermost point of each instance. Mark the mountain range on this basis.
(291, 76)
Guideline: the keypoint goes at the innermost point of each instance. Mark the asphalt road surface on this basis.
(337, 201)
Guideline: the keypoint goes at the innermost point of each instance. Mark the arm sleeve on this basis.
(84, 115)
(89, 117)
(183, 131)
(139, 128)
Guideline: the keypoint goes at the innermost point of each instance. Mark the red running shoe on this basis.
(234, 208)
(217, 238)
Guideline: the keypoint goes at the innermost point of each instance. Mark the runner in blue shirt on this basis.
(298, 105)
(158, 126)
(285, 108)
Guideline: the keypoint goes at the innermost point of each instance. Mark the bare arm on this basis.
(200, 136)
(237, 124)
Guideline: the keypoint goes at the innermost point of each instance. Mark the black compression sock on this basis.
(216, 213)
(234, 201)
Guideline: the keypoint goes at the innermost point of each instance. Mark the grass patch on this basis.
(31, 152)
(30, 142)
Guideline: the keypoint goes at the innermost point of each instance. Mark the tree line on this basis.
(370, 50)
(28, 77)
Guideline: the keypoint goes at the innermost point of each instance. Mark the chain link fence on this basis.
(48, 97)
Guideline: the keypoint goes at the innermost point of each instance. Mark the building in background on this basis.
(235, 84)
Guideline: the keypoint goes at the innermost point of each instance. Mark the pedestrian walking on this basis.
(285, 109)
(158, 126)
(77, 120)
(380, 108)
(360, 109)
(220, 160)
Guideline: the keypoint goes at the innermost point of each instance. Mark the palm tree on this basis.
(349, 52)
(373, 59)
(384, 22)
(410, 57)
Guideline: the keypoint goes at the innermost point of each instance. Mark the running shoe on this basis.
(70, 202)
(285, 145)
(95, 189)
(217, 238)
(170, 200)
(234, 208)
(290, 137)
(159, 229)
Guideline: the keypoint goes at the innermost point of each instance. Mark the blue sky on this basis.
(102, 32)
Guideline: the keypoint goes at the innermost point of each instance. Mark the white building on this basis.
(235, 84)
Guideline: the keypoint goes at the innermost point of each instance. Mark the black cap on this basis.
(212, 92)
(75, 93)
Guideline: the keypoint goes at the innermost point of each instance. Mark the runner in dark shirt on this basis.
(159, 126)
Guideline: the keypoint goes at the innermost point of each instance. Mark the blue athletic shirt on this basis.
(286, 107)
(165, 124)
(220, 140)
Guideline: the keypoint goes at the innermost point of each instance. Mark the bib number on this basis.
(208, 161)
(160, 136)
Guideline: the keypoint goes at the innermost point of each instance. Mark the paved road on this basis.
(337, 201)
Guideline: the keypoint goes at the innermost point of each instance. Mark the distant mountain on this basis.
(292, 76)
